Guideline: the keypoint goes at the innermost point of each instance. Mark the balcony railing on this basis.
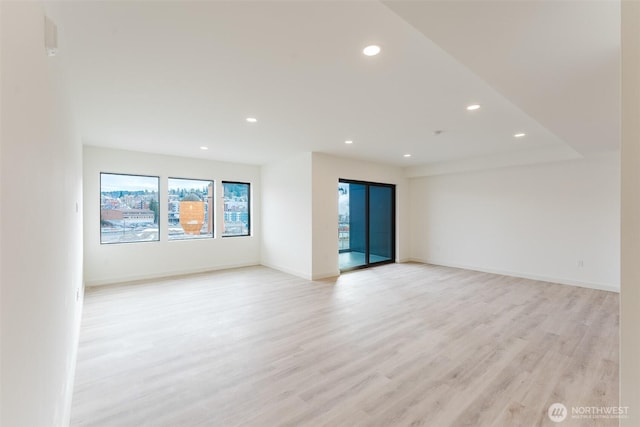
(343, 235)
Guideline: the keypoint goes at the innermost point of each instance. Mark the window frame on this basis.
(367, 214)
(248, 184)
(211, 211)
(157, 177)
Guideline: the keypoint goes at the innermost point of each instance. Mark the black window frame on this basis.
(157, 177)
(211, 210)
(368, 185)
(248, 184)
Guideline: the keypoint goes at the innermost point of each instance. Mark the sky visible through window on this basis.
(236, 209)
(190, 209)
(129, 208)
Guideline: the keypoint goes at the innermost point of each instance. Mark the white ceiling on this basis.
(169, 77)
(559, 61)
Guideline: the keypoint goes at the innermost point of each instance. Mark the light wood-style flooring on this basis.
(395, 345)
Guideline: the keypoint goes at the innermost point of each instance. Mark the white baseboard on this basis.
(163, 275)
(562, 281)
(329, 275)
(170, 274)
(166, 275)
(305, 276)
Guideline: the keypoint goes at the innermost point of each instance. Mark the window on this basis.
(129, 208)
(236, 209)
(190, 209)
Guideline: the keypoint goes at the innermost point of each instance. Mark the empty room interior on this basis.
(320, 213)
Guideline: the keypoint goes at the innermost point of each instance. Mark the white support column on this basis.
(630, 215)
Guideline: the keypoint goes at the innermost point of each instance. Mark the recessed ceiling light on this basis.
(204, 148)
(252, 119)
(348, 141)
(372, 50)
(473, 107)
(519, 135)
(407, 155)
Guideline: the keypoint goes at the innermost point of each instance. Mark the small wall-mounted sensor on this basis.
(50, 37)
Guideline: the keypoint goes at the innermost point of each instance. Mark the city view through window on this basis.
(190, 209)
(236, 209)
(343, 216)
(128, 208)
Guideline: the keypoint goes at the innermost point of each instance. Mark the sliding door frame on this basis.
(368, 185)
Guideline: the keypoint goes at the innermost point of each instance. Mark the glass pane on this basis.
(190, 209)
(380, 223)
(352, 222)
(128, 208)
(237, 214)
(343, 216)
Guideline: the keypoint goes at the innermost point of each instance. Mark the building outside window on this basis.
(129, 208)
(190, 209)
(237, 212)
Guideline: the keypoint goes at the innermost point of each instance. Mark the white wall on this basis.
(41, 228)
(630, 289)
(286, 215)
(327, 170)
(533, 221)
(110, 263)
(300, 211)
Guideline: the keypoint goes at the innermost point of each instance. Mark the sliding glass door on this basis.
(381, 224)
(366, 223)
